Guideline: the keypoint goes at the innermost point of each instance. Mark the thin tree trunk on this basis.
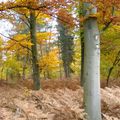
(91, 65)
(82, 47)
(60, 66)
(35, 66)
(108, 77)
(24, 68)
(116, 62)
(47, 52)
(82, 59)
(2, 72)
(7, 75)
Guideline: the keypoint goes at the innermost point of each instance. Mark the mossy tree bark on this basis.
(35, 66)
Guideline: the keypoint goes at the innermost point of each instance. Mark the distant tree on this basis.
(66, 45)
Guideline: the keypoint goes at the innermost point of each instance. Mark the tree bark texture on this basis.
(91, 65)
(35, 66)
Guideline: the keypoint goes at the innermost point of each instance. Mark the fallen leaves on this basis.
(49, 104)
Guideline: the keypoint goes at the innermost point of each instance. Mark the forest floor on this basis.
(58, 100)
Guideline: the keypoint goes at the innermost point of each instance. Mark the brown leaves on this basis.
(65, 18)
(50, 104)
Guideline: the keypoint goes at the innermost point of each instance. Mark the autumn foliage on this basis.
(44, 35)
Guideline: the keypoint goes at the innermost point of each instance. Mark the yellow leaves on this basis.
(116, 27)
(19, 43)
(94, 15)
(41, 15)
(20, 37)
(1, 44)
(50, 61)
(43, 36)
(1, 41)
(13, 63)
(26, 43)
(1, 49)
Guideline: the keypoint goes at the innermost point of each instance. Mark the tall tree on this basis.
(66, 43)
(91, 64)
(65, 28)
(36, 73)
(82, 45)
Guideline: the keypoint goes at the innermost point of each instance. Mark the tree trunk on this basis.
(35, 66)
(60, 65)
(91, 65)
(82, 59)
(24, 68)
(66, 45)
(116, 62)
(82, 45)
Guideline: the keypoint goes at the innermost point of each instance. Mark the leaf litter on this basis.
(54, 103)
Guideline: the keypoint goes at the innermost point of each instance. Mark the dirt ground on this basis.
(58, 100)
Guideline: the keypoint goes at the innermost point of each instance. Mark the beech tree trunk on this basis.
(35, 66)
(91, 64)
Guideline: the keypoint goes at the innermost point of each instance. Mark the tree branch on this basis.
(16, 41)
(111, 20)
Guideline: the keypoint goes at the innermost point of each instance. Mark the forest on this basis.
(59, 60)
